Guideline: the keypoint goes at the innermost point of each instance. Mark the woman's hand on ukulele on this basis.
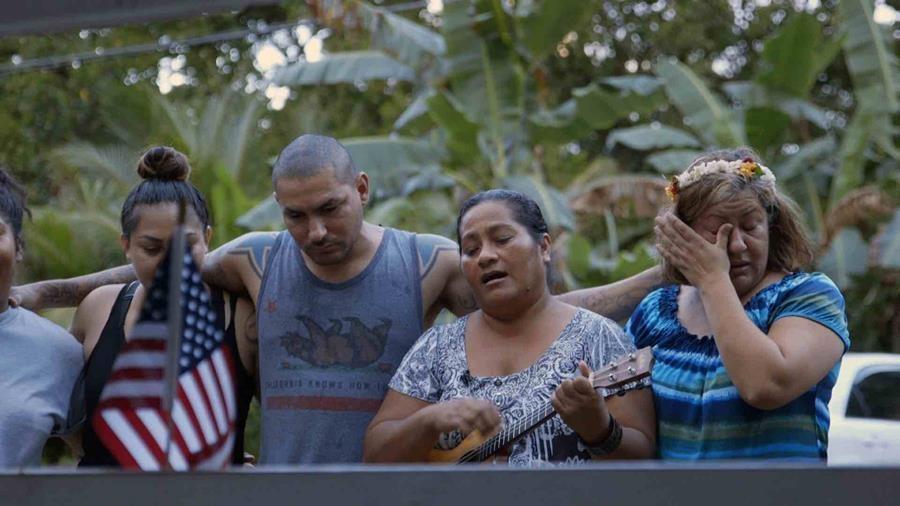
(464, 415)
(581, 407)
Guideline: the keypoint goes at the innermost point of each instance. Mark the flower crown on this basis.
(746, 167)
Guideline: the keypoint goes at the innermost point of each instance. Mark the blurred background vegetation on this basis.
(587, 105)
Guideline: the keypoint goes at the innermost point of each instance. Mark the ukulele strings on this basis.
(505, 436)
(509, 434)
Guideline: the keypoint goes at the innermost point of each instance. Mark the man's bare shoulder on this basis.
(436, 254)
(443, 285)
(253, 248)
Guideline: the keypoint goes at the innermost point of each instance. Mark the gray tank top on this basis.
(328, 350)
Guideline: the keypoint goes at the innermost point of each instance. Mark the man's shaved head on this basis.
(312, 154)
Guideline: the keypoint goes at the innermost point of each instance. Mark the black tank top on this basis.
(99, 366)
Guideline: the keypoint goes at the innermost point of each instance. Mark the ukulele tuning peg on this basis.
(612, 377)
(631, 370)
(631, 357)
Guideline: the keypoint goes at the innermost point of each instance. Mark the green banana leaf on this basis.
(886, 244)
(869, 52)
(544, 23)
(673, 160)
(648, 137)
(703, 111)
(795, 55)
(404, 40)
(347, 67)
(552, 202)
(845, 258)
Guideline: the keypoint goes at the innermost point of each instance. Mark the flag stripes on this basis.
(131, 417)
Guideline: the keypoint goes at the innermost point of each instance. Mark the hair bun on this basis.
(164, 163)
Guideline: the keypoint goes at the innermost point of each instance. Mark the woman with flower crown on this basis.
(747, 345)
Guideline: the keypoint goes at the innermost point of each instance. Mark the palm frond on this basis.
(115, 163)
(236, 137)
(180, 124)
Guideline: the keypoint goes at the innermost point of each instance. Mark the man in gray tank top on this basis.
(339, 302)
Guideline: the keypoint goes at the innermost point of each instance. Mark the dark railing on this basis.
(719, 484)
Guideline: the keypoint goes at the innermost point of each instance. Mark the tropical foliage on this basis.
(479, 114)
(585, 105)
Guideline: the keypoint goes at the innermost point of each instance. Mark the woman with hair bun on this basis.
(107, 315)
(40, 360)
(747, 345)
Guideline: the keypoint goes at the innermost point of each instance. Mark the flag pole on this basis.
(176, 265)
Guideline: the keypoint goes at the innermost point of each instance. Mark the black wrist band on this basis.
(611, 443)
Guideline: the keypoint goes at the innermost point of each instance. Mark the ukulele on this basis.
(616, 378)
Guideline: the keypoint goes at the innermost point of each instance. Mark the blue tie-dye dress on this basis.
(699, 411)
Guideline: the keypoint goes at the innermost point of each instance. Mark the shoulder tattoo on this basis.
(256, 248)
(429, 248)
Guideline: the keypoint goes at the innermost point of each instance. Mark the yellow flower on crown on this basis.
(748, 168)
(672, 188)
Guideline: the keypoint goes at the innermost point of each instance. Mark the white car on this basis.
(865, 411)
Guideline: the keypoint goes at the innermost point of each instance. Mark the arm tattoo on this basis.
(429, 247)
(617, 300)
(70, 292)
(256, 248)
(616, 306)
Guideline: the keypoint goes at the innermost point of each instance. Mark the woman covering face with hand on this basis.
(523, 350)
(747, 346)
(108, 314)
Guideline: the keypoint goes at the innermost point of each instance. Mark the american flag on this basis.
(131, 417)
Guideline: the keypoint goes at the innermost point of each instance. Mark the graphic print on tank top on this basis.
(344, 342)
(328, 350)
